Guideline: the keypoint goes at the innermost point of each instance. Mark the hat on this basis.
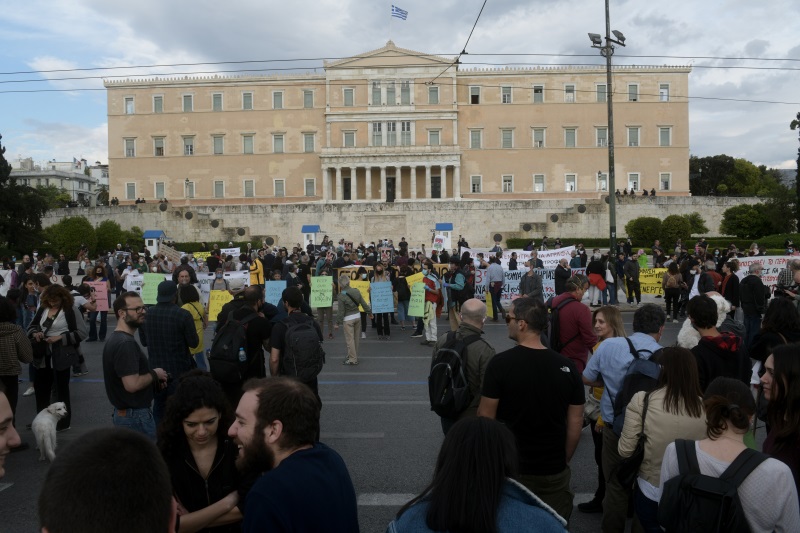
(167, 291)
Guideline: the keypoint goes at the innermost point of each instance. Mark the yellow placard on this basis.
(650, 280)
(363, 288)
(215, 302)
(414, 278)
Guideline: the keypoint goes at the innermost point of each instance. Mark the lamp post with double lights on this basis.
(607, 50)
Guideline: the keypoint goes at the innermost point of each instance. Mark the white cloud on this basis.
(61, 141)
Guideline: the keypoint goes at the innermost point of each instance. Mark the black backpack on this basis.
(692, 501)
(303, 355)
(223, 359)
(554, 326)
(448, 387)
(642, 375)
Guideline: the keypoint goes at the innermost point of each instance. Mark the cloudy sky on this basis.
(744, 89)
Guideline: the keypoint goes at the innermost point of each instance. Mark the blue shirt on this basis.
(611, 361)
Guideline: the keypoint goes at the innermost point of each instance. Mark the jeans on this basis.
(140, 420)
(610, 294)
(93, 336)
(553, 490)
(496, 290)
(646, 511)
(672, 297)
(752, 325)
(402, 311)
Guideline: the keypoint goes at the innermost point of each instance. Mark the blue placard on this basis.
(381, 297)
(274, 291)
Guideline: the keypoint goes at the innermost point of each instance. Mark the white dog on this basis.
(44, 429)
(688, 337)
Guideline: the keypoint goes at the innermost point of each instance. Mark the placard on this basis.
(149, 287)
(321, 291)
(416, 305)
(274, 291)
(363, 288)
(414, 278)
(100, 290)
(224, 252)
(215, 302)
(382, 299)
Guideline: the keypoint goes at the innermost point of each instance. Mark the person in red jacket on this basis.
(576, 334)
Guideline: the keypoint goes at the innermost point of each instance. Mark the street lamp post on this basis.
(607, 50)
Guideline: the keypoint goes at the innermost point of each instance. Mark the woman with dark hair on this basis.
(768, 496)
(190, 299)
(474, 489)
(781, 386)
(674, 411)
(780, 325)
(15, 348)
(201, 458)
(671, 283)
(99, 275)
(730, 284)
(401, 288)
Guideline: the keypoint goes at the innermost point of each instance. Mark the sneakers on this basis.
(363, 335)
(427, 343)
(29, 392)
(590, 507)
(79, 374)
(347, 362)
(416, 335)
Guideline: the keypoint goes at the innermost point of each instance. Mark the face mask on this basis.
(363, 276)
(219, 275)
(129, 268)
(379, 272)
(716, 253)
(425, 271)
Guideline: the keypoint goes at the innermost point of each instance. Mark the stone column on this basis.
(427, 181)
(339, 191)
(326, 184)
(414, 182)
(353, 183)
(368, 185)
(383, 184)
(457, 183)
(443, 181)
(398, 183)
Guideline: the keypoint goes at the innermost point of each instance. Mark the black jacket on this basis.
(752, 296)
(561, 276)
(706, 283)
(721, 356)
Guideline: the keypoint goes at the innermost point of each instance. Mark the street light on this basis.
(607, 50)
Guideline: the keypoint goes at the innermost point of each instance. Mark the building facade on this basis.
(70, 177)
(397, 125)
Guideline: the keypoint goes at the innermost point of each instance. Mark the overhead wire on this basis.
(464, 49)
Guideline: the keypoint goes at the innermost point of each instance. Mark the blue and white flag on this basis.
(399, 13)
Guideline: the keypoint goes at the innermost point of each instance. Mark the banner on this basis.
(133, 281)
(215, 302)
(224, 252)
(511, 279)
(149, 287)
(550, 258)
(204, 282)
(201, 255)
(274, 291)
(382, 299)
(441, 242)
(363, 288)
(321, 291)
(100, 290)
(6, 275)
(416, 305)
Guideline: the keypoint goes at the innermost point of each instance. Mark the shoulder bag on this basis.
(628, 467)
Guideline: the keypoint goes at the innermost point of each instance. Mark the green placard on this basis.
(416, 306)
(150, 287)
(321, 291)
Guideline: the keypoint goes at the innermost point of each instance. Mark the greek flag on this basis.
(399, 13)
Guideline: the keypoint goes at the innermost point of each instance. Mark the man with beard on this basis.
(305, 486)
(130, 383)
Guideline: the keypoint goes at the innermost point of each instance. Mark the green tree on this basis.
(102, 195)
(56, 197)
(644, 229)
(675, 227)
(21, 210)
(697, 223)
(69, 234)
(707, 173)
(109, 233)
(746, 221)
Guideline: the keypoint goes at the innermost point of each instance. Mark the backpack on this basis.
(303, 355)
(672, 283)
(223, 359)
(692, 501)
(448, 387)
(554, 326)
(642, 375)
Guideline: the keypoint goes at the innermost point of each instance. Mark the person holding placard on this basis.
(325, 311)
(380, 276)
(348, 316)
(99, 275)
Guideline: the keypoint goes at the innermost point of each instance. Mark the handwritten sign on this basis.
(149, 286)
(416, 305)
(321, 291)
(382, 300)
(363, 288)
(230, 251)
(100, 289)
(274, 291)
(215, 302)
(413, 279)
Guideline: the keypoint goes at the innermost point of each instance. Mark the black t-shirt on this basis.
(278, 337)
(535, 389)
(303, 272)
(212, 263)
(122, 356)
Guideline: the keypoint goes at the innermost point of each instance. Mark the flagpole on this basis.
(390, 22)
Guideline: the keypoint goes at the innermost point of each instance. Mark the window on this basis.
(310, 187)
(665, 136)
(277, 100)
(158, 146)
(188, 103)
(219, 189)
(570, 137)
(277, 143)
(188, 189)
(348, 97)
(538, 183)
(505, 95)
(188, 146)
(405, 133)
(216, 102)
(377, 134)
(247, 101)
(664, 180)
(308, 142)
(538, 137)
(376, 93)
(405, 93)
(308, 99)
(434, 137)
(507, 138)
(433, 95)
(538, 94)
(218, 144)
(633, 92)
(280, 188)
(130, 191)
(602, 92)
(508, 183)
(160, 190)
(475, 139)
(633, 181)
(349, 139)
(247, 144)
(130, 147)
(569, 93)
(158, 104)
(633, 136)
(602, 181)
(663, 92)
(249, 188)
(391, 134)
(475, 184)
(391, 97)
(602, 137)
(474, 95)
(571, 182)
(129, 105)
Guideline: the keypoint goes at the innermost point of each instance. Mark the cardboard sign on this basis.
(550, 258)
(363, 288)
(224, 252)
(100, 290)
(321, 291)
(414, 279)
(416, 305)
(382, 299)
(215, 302)
(274, 291)
(149, 287)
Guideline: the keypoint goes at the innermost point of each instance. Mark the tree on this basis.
(55, 197)
(707, 173)
(697, 223)
(795, 125)
(21, 210)
(70, 234)
(109, 234)
(102, 195)
(725, 176)
(746, 221)
(644, 229)
(675, 227)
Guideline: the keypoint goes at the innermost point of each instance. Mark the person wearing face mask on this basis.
(219, 283)
(699, 282)
(433, 301)
(363, 275)
(347, 316)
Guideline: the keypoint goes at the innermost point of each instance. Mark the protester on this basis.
(190, 302)
(380, 275)
(530, 284)
(576, 336)
(15, 348)
(99, 274)
(348, 316)
(753, 301)
(781, 325)
(671, 284)
(433, 296)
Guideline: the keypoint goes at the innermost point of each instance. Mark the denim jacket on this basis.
(519, 510)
